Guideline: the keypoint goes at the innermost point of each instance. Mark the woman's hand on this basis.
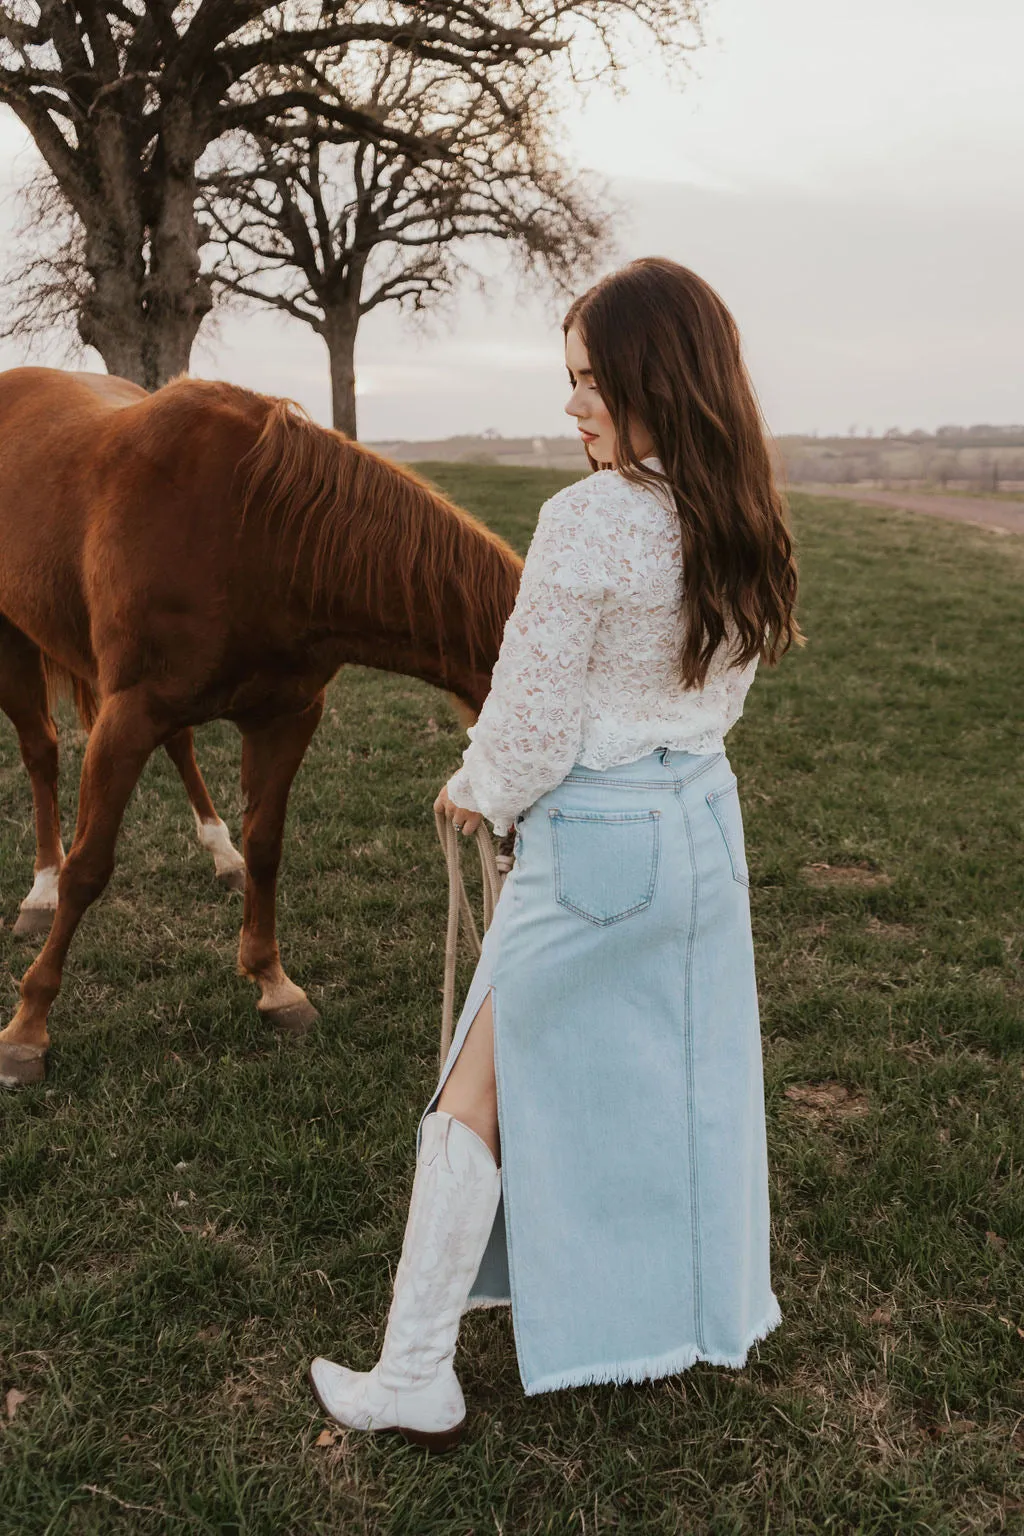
(465, 821)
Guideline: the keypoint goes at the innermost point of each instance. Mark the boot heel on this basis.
(435, 1440)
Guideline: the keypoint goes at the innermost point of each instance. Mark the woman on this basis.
(608, 1054)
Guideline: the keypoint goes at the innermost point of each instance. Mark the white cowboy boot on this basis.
(413, 1387)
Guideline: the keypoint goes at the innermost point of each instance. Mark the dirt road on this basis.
(1008, 516)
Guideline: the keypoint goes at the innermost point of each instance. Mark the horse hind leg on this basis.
(120, 744)
(23, 698)
(228, 864)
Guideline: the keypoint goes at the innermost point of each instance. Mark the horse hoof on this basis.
(232, 879)
(21, 1064)
(292, 1018)
(33, 922)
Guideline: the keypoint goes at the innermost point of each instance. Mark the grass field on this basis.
(191, 1208)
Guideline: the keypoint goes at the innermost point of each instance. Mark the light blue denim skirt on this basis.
(632, 1237)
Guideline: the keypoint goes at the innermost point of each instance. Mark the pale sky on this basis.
(848, 175)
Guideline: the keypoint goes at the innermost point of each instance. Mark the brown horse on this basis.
(208, 553)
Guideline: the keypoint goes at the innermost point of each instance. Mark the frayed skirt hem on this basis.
(654, 1367)
(478, 1303)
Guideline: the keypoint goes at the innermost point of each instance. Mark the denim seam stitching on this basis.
(574, 778)
(677, 782)
(691, 942)
(509, 1245)
(698, 1290)
(556, 810)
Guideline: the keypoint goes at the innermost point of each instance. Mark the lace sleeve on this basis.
(530, 727)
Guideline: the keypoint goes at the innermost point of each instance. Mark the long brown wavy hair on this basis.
(665, 353)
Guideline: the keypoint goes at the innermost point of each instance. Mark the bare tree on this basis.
(326, 232)
(123, 97)
(46, 283)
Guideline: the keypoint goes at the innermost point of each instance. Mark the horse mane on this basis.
(380, 527)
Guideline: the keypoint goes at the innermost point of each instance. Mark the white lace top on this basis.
(587, 670)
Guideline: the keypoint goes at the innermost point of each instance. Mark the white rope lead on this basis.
(494, 868)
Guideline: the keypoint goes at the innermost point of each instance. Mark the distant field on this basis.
(190, 1208)
(971, 465)
(1015, 498)
(998, 513)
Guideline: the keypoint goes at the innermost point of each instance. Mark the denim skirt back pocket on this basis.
(606, 862)
(725, 807)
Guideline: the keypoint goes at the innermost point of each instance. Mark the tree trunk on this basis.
(106, 315)
(146, 335)
(178, 297)
(147, 298)
(341, 322)
(113, 254)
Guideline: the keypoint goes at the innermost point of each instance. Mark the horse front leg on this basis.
(271, 755)
(121, 741)
(228, 864)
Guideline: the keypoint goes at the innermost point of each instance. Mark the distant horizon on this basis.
(996, 429)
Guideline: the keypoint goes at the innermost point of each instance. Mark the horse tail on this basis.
(62, 683)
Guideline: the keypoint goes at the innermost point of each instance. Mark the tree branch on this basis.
(51, 143)
(255, 114)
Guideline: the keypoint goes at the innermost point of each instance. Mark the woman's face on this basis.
(592, 417)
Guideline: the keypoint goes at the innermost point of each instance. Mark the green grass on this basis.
(190, 1208)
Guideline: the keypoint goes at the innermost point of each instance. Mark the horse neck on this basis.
(432, 592)
(398, 576)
